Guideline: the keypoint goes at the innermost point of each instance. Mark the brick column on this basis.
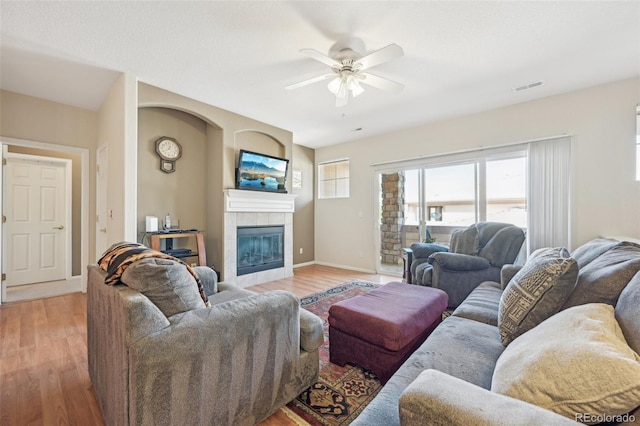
(392, 218)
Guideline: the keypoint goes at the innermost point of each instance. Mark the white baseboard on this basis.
(350, 268)
(300, 265)
(42, 290)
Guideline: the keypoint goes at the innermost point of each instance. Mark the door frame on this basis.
(102, 166)
(83, 153)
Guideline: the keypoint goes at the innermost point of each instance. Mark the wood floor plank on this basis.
(28, 401)
(10, 332)
(27, 326)
(44, 378)
(54, 411)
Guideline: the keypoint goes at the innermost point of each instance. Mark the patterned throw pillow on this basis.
(576, 363)
(536, 292)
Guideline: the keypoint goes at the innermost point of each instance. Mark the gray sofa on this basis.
(234, 363)
(449, 379)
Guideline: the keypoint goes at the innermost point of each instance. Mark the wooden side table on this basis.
(198, 235)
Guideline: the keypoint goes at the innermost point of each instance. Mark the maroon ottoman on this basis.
(380, 329)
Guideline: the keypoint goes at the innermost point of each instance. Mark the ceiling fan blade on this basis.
(310, 81)
(312, 53)
(381, 83)
(380, 56)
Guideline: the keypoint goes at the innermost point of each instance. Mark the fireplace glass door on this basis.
(260, 248)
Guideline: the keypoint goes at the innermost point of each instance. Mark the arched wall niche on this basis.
(258, 141)
(191, 192)
(208, 120)
(225, 134)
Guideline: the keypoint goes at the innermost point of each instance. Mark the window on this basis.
(506, 190)
(526, 184)
(440, 196)
(450, 195)
(333, 179)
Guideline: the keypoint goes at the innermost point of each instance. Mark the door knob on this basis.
(103, 230)
(58, 227)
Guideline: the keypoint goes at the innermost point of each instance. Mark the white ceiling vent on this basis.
(528, 86)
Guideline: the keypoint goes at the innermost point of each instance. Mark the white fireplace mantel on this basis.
(236, 200)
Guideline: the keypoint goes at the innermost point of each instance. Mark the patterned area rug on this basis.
(341, 393)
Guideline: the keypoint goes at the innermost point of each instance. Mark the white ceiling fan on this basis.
(348, 68)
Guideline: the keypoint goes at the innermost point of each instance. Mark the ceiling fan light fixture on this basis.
(343, 84)
(355, 87)
(334, 85)
(343, 93)
(348, 71)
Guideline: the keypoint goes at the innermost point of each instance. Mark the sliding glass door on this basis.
(428, 202)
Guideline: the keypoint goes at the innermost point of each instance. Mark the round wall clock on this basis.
(169, 150)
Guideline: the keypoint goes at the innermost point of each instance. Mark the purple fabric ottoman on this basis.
(380, 329)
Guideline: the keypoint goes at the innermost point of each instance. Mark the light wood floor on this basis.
(44, 378)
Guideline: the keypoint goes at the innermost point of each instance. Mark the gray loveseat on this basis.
(234, 363)
(448, 380)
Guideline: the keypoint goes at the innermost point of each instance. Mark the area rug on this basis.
(341, 393)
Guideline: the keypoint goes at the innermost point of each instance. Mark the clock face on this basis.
(168, 149)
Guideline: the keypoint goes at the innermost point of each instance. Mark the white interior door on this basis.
(37, 210)
(102, 161)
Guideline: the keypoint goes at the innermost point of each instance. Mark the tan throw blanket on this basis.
(116, 259)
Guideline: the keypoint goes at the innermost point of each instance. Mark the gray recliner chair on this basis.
(475, 254)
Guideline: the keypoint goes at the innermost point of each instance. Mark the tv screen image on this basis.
(261, 172)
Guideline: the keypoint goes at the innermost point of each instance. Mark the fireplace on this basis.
(259, 248)
(256, 209)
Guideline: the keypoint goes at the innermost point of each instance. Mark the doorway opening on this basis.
(72, 229)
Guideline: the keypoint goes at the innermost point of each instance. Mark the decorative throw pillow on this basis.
(577, 364)
(536, 292)
(166, 283)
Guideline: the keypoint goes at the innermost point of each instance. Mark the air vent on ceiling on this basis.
(528, 86)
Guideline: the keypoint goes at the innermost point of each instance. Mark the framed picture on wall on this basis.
(296, 179)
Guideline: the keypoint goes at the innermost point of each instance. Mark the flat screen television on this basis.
(260, 172)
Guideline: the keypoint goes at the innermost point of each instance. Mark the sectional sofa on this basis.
(555, 342)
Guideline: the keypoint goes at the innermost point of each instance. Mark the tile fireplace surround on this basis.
(256, 208)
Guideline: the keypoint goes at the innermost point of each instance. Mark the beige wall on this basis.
(38, 120)
(226, 133)
(34, 119)
(605, 195)
(303, 218)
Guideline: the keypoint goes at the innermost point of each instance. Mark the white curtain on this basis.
(549, 194)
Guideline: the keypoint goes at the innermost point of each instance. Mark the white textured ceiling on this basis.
(460, 57)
